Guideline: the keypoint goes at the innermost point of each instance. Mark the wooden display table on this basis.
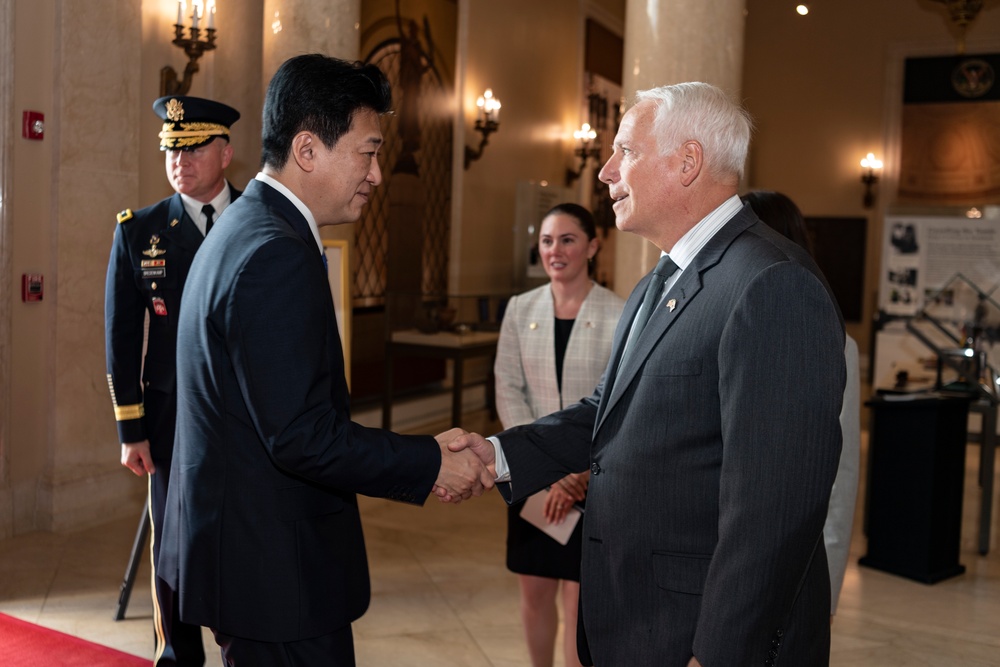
(458, 347)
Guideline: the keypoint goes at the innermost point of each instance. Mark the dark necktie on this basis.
(209, 212)
(654, 290)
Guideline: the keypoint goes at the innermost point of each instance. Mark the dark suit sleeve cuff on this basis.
(131, 430)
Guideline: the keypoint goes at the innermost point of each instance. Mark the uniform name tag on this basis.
(159, 306)
(154, 273)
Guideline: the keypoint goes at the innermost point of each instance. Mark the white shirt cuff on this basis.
(502, 469)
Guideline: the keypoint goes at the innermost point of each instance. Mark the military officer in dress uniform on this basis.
(152, 251)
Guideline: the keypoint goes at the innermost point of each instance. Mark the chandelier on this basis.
(961, 13)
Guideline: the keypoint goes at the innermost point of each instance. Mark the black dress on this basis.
(529, 550)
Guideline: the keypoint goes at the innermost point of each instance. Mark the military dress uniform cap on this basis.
(190, 122)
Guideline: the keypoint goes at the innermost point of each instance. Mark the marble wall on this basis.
(28, 241)
(96, 114)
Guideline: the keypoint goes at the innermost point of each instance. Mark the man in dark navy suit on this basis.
(262, 533)
(152, 252)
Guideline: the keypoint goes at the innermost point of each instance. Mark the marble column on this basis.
(294, 27)
(672, 41)
(235, 81)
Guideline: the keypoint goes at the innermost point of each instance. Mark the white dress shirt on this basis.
(193, 207)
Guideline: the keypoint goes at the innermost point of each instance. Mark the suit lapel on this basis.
(668, 311)
(618, 344)
(285, 209)
(541, 343)
(180, 229)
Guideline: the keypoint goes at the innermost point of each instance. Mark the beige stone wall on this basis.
(534, 66)
(29, 212)
(6, 275)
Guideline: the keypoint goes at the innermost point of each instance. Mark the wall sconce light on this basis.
(194, 47)
(486, 124)
(872, 167)
(585, 135)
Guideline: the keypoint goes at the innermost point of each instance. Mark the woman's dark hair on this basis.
(318, 94)
(781, 214)
(584, 218)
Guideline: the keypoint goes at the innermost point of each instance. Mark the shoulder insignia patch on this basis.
(125, 216)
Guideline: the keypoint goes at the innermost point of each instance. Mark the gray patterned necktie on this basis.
(654, 291)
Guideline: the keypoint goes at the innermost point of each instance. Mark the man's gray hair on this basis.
(706, 114)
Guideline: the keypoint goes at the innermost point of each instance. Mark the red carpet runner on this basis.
(24, 644)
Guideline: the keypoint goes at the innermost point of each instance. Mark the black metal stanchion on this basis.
(138, 549)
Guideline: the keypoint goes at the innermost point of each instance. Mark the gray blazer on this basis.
(840, 517)
(525, 368)
(712, 452)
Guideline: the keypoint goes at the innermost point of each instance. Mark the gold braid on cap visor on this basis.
(190, 134)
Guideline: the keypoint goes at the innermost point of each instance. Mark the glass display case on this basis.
(960, 323)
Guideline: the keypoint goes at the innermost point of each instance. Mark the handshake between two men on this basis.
(468, 466)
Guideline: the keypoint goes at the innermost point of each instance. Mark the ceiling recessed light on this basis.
(802, 9)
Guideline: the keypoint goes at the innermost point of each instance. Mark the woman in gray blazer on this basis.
(554, 344)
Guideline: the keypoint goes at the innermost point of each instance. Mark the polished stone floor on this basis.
(441, 594)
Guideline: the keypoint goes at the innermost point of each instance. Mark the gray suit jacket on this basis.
(712, 456)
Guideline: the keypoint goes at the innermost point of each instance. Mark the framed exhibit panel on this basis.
(339, 275)
(921, 254)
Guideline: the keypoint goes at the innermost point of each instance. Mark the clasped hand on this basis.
(467, 466)
(563, 494)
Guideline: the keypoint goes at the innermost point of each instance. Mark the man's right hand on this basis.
(479, 445)
(462, 474)
(136, 457)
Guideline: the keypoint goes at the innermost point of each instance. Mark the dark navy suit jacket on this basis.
(262, 536)
(146, 277)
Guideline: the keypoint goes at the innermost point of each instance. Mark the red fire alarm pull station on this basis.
(31, 287)
(33, 125)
